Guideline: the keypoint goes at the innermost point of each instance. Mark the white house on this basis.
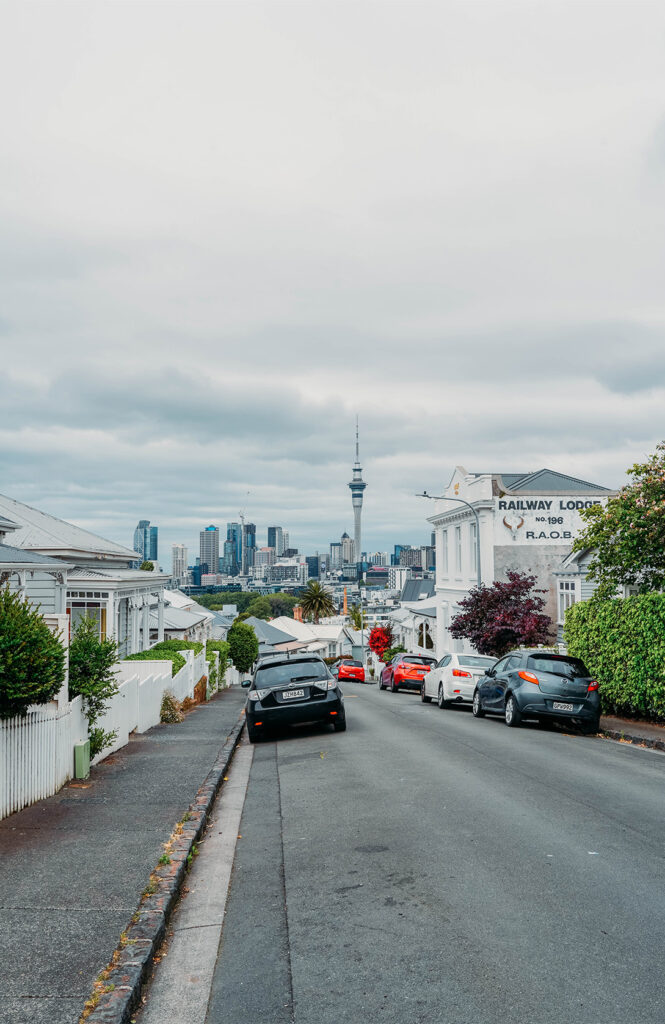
(99, 582)
(521, 521)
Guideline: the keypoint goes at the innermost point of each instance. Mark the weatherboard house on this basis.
(526, 522)
(63, 568)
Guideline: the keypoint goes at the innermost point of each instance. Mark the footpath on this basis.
(630, 730)
(73, 868)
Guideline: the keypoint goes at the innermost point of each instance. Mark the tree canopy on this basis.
(243, 646)
(280, 604)
(260, 608)
(147, 566)
(627, 534)
(32, 659)
(506, 615)
(316, 602)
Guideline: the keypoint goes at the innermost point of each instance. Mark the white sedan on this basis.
(454, 678)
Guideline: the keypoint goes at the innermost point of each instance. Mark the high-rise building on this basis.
(286, 543)
(312, 562)
(276, 540)
(178, 563)
(234, 535)
(264, 556)
(248, 546)
(142, 539)
(153, 556)
(335, 555)
(357, 486)
(209, 547)
(348, 549)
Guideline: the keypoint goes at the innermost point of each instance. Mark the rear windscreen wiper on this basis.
(305, 679)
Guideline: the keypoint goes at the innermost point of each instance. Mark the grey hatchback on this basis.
(539, 684)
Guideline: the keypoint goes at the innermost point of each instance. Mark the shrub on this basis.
(506, 615)
(622, 642)
(390, 653)
(178, 645)
(92, 676)
(380, 639)
(222, 649)
(32, 659)
(243, 646)
(170, 711)
(176, 659)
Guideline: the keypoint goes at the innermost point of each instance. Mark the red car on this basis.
(351, 670)
(405, 671)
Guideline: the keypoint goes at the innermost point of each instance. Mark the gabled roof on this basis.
(268, 634)
(545, 480)
(18, 558)
(42, 532)
(6, 525)
(416, 590)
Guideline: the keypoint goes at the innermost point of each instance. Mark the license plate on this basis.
(558, 706)
(291, 694)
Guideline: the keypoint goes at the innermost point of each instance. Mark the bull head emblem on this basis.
(513, 526)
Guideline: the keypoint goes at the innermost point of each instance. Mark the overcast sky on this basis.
(227, 227)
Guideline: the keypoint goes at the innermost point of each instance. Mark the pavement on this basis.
(73, 867)
(425, 866)
(631, 730)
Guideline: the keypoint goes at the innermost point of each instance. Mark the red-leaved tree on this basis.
(380, 639)
(506, 615)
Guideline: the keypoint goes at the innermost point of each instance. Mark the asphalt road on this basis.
(425, 866)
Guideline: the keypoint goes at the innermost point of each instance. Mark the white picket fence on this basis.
(37, 749)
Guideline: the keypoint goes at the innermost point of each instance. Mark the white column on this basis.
(145, 629)
(160, 618)
(134, 622)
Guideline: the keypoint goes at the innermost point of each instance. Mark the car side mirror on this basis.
(246, 682)
(489, 672)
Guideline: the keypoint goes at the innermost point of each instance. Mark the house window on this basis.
(458, 549)
(567, 596)
(473, 546)
(87, 608)
(444, 551)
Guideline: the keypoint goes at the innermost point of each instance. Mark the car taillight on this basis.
(593, 685)
(529, 676)
(458, 672)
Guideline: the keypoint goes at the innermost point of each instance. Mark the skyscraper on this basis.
(357, 486)
(248, 546)
(153, 544)
(276, 539)
(234, 535)
(209, 548)
(179, 563)
(142, 539)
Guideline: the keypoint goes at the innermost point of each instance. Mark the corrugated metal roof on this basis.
(544, 480)
(17, 556)
(44, 532)
(268, 634)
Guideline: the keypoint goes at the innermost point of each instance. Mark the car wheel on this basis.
(476, 707)
(253, 734)
(441, 700)
(339, 725)
(423, 695)
(513, 713)
(393, 686)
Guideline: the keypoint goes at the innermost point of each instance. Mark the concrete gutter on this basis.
(117, 992)
(627, 730)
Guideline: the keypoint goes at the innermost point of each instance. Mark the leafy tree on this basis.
(506, 615)
(32, 659)
(260, 608)
(91, 674)
(628, 533)
(390, 653)
(282, 604)
(147, 566)
(358, 617)
(243, 646)
(380, 639)
(316, 602)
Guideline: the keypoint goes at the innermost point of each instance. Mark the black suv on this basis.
(286, 690)
(542, 685)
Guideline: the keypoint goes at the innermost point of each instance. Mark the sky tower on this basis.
(357, 486)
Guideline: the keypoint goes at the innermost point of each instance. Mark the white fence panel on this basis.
(36, 756)
(182, 684)
(120, 717)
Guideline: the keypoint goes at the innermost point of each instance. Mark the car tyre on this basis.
(423, 695)
(441, 700)
(476, 707)
(339, 725)
(512, 712)
(254, 735)
(393, 686)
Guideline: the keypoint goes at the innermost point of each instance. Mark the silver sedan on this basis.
(454, 678)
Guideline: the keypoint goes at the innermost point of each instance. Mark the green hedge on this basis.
(178, 645)
(222, 649)
(622, 641)
(177, 660)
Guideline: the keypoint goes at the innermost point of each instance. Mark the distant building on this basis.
(276, 540)
(347, 552)
(248, 546)
(397, 551)
(178, 563)
(378, 558)
(290, 570)
(290, 553)
(154, 545)
(209, 547)
(264, 556)
(335, 555)
(312, 562)
(398, 575)
(286, 542)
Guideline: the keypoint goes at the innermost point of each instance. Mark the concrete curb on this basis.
(132, 960)
(639, 741)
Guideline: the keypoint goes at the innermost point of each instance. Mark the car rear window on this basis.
(416, 659)
(569, 668)
(356, 664)
(471, 661)
(289, 672)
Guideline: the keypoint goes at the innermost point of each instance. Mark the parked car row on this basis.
(526, 683)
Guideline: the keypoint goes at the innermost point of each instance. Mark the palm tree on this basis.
(357, 616)
(315, 601)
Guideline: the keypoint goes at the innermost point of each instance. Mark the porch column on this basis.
(160, 618)
(134, 625)
(145, 629)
